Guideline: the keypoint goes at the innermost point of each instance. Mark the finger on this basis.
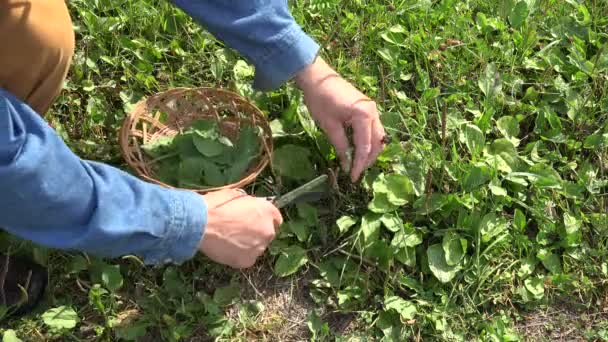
(277, 218)
(362, 135)
(377, 142)
(337, 136)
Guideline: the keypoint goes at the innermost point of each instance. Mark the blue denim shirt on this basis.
(54, 198)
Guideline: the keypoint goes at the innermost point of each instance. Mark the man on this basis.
(52, 197)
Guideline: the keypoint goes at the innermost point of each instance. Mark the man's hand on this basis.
(239, 227)
(335, 104)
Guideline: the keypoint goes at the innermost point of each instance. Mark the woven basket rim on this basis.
(130, 138)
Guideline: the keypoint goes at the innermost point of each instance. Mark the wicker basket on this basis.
(169, 112)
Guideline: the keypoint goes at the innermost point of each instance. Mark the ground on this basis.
(485, 218)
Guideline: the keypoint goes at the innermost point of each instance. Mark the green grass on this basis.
(484, 219)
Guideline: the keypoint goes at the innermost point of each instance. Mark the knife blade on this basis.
(305, 193)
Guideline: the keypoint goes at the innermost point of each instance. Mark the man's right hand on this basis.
(239, 227)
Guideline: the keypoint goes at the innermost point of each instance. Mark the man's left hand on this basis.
(335, 104)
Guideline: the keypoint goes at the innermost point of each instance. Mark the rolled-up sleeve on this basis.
(264, 31)
(52, 197)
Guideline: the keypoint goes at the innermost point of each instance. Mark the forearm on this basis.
(54, 198)
(262, 30)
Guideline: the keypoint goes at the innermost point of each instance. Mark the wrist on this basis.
(313, 74)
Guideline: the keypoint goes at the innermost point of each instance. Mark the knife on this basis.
(305, 193)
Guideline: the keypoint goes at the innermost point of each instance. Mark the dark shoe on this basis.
(22, 284)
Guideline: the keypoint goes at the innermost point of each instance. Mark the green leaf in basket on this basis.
(205, 129)
(191, 171)
(201, 156)
(207, 147)
(185, 146)
(225, 141)
(244, 152)
(167, 169)
(158, 147)
(248, 144)
(212, 174)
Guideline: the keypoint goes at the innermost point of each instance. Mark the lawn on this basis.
(484, 219)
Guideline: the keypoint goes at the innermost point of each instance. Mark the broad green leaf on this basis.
(236, 171)
(167, 170)
(508, 127)
(344, 223)
(330, 272)
(490, 226)
(111, 277)
(218, 326)
(78, 263)
(498, 163)
(599, 221)
(572, 229)
(225, 141)
(158, 147)
(389, 55)
(519, 14)
(415, 167)
(474, 138)
(207, 147)
(545, 177)
(380, 204)
(191, 171)
(506, 151)
(308, 213)
(399, 188)
(290, 261)
(550, 260)
(370, 227)
(299, 228)
(380, 252)
(242, 70)
(406, 237)
(205, 128)
(248, 143)
(535, 286)
(519, 220)
(133, 331)
(293, 161)
(527, 267)
(596, 141)
(406, 256)
(489, 82)
(548, 125)
(10, 336)
(496, 188)
(389, 323)
(454, 248)
(439, 267)
(226, 295)
(185, 146)
(212, 174)
(318, 328)
(429, 204)
(60, 318)
(392, 222)
(475, 177)
(395, 35)
(173, 282)
(243, 154)
(406, 309)
(379, 184)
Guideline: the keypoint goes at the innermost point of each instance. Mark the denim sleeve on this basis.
(264, 31)
(50, 196)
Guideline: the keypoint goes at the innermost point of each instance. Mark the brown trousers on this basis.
(36, 48)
